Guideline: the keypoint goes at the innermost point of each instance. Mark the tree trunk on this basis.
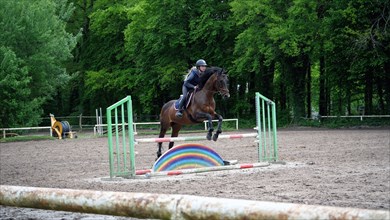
(339, 104)
(270, 73)
(380, 95)
(282, 99)
(264, 83)
(308, 86)
(368, 92)
(253, 86)
(283, 96)
(386, 86)
(328, 96)
(322, 102)
(296, 72)
(348, 99)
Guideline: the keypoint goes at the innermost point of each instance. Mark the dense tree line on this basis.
(33, 48)
(327, 56)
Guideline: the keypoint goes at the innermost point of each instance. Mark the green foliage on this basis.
(268, 46)
(345, 123)
(211, 33)
(247, 123)
(156, 42)
(18, 109)
(283, 118)
(330, 56)
(33, 47)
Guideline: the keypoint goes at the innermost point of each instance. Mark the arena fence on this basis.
(121, 146)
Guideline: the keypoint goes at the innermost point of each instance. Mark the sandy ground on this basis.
(343, 167)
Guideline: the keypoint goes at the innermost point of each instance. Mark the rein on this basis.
(219, 91)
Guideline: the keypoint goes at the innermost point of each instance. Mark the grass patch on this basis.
(355, 122)
(341, 122)
(26, 138)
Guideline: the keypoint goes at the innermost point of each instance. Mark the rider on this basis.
(191, 82)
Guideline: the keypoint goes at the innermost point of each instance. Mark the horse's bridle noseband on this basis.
(221, 90)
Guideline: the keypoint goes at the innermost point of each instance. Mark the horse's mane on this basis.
(207, 74)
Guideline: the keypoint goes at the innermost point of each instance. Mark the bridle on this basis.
(221, 86)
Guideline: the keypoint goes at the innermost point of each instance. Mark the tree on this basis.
(18, 109)
(356, 57)
(157, 40)
(279, 48)
(273, 32)
(35, 41)
(255, 54)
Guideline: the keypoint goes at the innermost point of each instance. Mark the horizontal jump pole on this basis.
(157, 123)
(207, 169)
(149, 172)
(194, 138)
(165, 206)
(142, 172)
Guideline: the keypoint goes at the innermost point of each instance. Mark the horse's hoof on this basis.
(215, 137)
(208, 136)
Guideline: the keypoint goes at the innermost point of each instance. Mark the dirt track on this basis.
(346, 168)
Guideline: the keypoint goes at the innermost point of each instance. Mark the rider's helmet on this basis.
(201, 62)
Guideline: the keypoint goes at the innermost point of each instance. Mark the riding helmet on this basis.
(201, 62)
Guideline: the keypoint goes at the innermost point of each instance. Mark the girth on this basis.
(192, 118)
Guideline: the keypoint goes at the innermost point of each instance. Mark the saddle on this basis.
(189, 97)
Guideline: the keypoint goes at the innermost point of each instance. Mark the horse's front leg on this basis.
(210, 123)
(219, 128)
(159, 148)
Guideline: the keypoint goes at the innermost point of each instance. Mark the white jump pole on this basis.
(207, 169)
(164, 206)
(194, 138)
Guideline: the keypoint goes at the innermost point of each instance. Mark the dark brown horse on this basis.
(202, 106)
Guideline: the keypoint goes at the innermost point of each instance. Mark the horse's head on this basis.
(216, 80)
(222, 84)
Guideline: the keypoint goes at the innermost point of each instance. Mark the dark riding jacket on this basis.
(192, 79)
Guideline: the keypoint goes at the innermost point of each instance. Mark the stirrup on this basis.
(179, 114)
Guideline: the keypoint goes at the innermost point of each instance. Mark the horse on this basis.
(201, 107)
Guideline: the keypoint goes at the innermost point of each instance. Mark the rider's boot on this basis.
(179, 112)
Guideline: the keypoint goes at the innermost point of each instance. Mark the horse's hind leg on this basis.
(163, 131)
(219, 129)
(175, 132)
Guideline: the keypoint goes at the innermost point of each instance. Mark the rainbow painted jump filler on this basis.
(186, 158)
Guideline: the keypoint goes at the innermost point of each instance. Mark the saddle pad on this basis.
(187, 102)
